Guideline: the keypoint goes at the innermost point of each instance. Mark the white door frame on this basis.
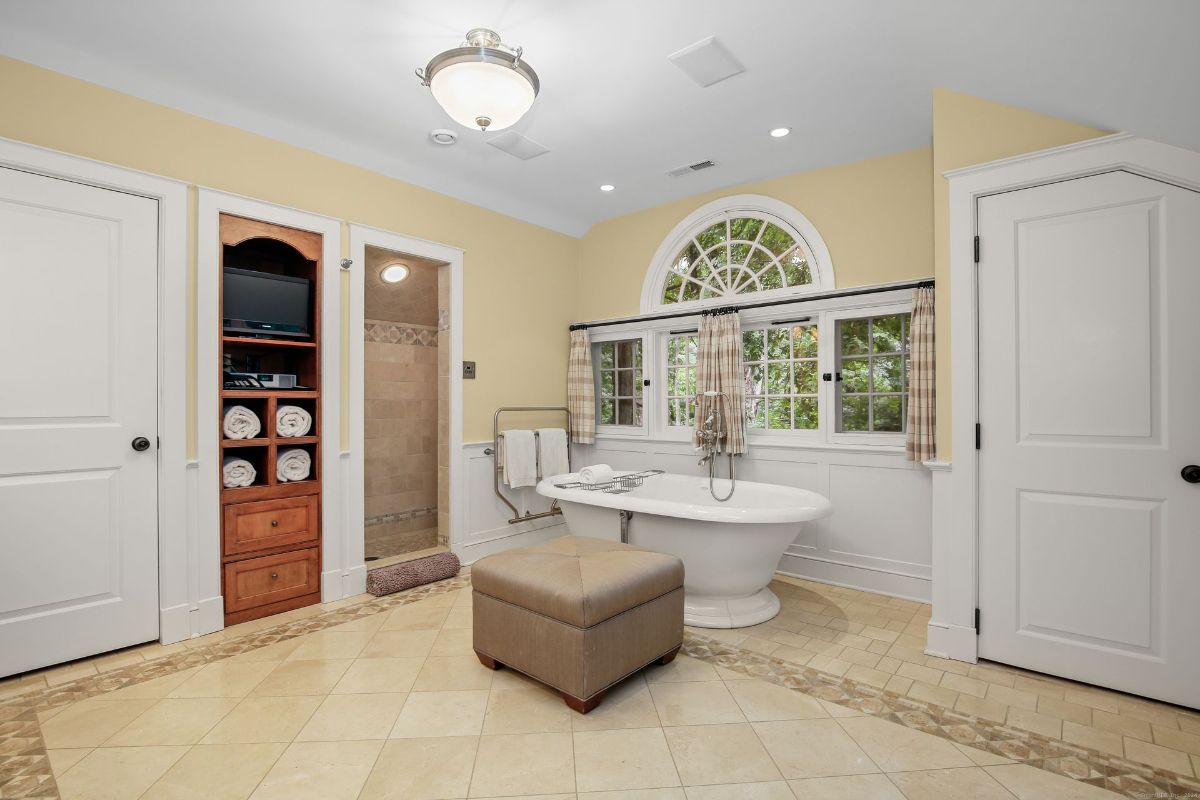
(955, 587)
(360, 237)
(173, 464)
(337, 573)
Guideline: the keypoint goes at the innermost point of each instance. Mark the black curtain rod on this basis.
(921, 284)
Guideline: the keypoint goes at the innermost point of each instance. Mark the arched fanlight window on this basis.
(737, 246)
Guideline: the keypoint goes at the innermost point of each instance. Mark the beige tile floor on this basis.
(396, 705)
(880, 641)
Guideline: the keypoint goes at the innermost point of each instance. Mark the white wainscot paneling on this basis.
(879, 536)
(485, 527)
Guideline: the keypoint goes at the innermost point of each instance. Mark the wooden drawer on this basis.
(270, 579)
(268, 524)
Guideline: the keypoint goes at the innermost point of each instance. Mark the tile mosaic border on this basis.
(1089, 766)
(400, 516)
(386, 332)
(25, 767)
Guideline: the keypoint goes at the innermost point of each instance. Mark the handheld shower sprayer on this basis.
(710, 435)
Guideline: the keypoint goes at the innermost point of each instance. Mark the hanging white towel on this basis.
(552, 452)
(240, 422)
(293, 465)
(519, 459)
(292, 421)
(237, 472)
(597, 473)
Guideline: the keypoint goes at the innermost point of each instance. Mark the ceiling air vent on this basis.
(517, 145)
(687, 169)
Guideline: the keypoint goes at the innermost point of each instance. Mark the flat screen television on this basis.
(262, 304)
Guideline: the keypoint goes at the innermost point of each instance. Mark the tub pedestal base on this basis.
(702, 611)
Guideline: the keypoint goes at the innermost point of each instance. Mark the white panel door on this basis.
(78, 383)
(1089, 385)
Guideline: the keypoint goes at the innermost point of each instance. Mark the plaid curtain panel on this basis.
(920, 440)
(719, 369)
(581, 389)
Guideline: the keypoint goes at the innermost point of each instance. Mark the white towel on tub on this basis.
(240, 422)
(518, 458)
(552, 452)
(597, 473)
(237, 472)
(292, 421)
(293, 465)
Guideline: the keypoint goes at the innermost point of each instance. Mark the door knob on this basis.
(1191, 473)
(140, 443)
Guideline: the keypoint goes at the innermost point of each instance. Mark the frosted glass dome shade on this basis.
(479, 94)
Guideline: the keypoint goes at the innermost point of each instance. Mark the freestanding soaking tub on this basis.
(729, 550)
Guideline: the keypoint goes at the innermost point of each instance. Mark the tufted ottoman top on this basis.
(577, 580)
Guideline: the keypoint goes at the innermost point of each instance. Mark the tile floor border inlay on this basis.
(25, 767)
(1063, 758)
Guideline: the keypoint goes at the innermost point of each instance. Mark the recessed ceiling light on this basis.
(393, 273)
(779, 133)
(443, 136)
(607, 187)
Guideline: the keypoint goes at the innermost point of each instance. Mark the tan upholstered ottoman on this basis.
(578, 614)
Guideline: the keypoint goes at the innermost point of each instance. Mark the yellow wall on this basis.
(875, 216)
(968, 130)
(511, 267)
(880, 218)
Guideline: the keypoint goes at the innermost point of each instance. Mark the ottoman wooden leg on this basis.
(669, 657)
(583, 706)
(488, 661)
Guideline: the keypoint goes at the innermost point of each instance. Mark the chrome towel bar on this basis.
(491, 451)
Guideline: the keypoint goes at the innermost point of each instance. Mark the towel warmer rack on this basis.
(498, 467)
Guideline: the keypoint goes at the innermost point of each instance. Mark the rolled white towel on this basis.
(597, 473)
(292, 421)
(293, 465)
(237, 472)
(240, 422)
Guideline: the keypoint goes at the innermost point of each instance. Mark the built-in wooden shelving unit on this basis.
(271, 531)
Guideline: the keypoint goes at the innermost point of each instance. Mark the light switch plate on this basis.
(468, 370)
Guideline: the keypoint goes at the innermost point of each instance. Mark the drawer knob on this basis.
(274, 523)
(274, 576)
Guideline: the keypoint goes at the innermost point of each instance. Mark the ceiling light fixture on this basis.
(481, 83)
(607, 187)
(443, 137)
(779, 133)
(393, 273)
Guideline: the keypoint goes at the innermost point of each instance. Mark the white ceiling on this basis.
(853, 78)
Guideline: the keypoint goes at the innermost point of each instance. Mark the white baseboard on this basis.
(208, 616)
(331, 585)
(868, 580)
(174, 624)
(952, 641)
(472, 552)
(355, 581)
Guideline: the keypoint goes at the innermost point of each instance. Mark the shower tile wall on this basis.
(401, 438)
(402, 408)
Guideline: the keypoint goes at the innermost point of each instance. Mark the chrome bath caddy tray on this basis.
(618, 485)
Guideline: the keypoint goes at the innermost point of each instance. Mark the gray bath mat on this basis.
(406, 575)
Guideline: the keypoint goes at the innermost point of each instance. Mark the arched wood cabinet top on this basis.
(235, 230)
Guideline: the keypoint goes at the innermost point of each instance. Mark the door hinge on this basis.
(978, 435)
(977, 622)
(976, 249)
